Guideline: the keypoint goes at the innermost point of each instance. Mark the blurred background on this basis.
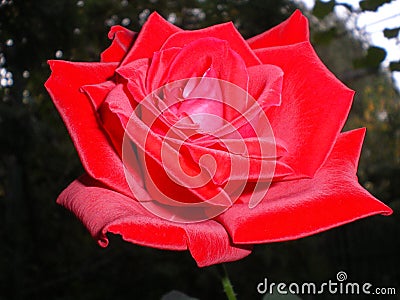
(45, 252)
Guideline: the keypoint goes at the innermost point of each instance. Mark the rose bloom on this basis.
(131, 144)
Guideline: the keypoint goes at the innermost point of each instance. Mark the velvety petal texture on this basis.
(320, 113)
(122, 39)
(298, 208)
(95, 151)
(246, 119)
(151, 38)
(292, 31)
(102, 210)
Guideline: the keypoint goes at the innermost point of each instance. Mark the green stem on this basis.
(226, 283)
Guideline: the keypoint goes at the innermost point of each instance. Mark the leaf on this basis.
(322, 9)
(391, 33)
(373, 58)
(372, 5)
(394, 66)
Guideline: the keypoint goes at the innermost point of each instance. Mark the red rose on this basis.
(201, 140)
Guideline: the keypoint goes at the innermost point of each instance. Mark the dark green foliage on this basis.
(391, 33)
(395, 66)
(322, 9)
(372, 5)
(372, 59)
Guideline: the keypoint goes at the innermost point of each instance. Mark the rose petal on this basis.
(150, 39)
(314, 107)
(293, 30)
(195, 59)
(155, 168)
(168, 172)
(135, 74)
(243, 161)
(226, 32)
(304, 207)
(210, 244)
(199, 55)
(158, 70)
(122, 40)
(265, 85)
(97, 155)
(98, 92)
(102, 210)
(114, 114)
(98, 208)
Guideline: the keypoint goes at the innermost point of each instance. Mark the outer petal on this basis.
(102, 210)
(293, 30)
(114, 114)
(304, 207)
(314, 107)
(154, 33)
(95, 151)
(122, 40)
